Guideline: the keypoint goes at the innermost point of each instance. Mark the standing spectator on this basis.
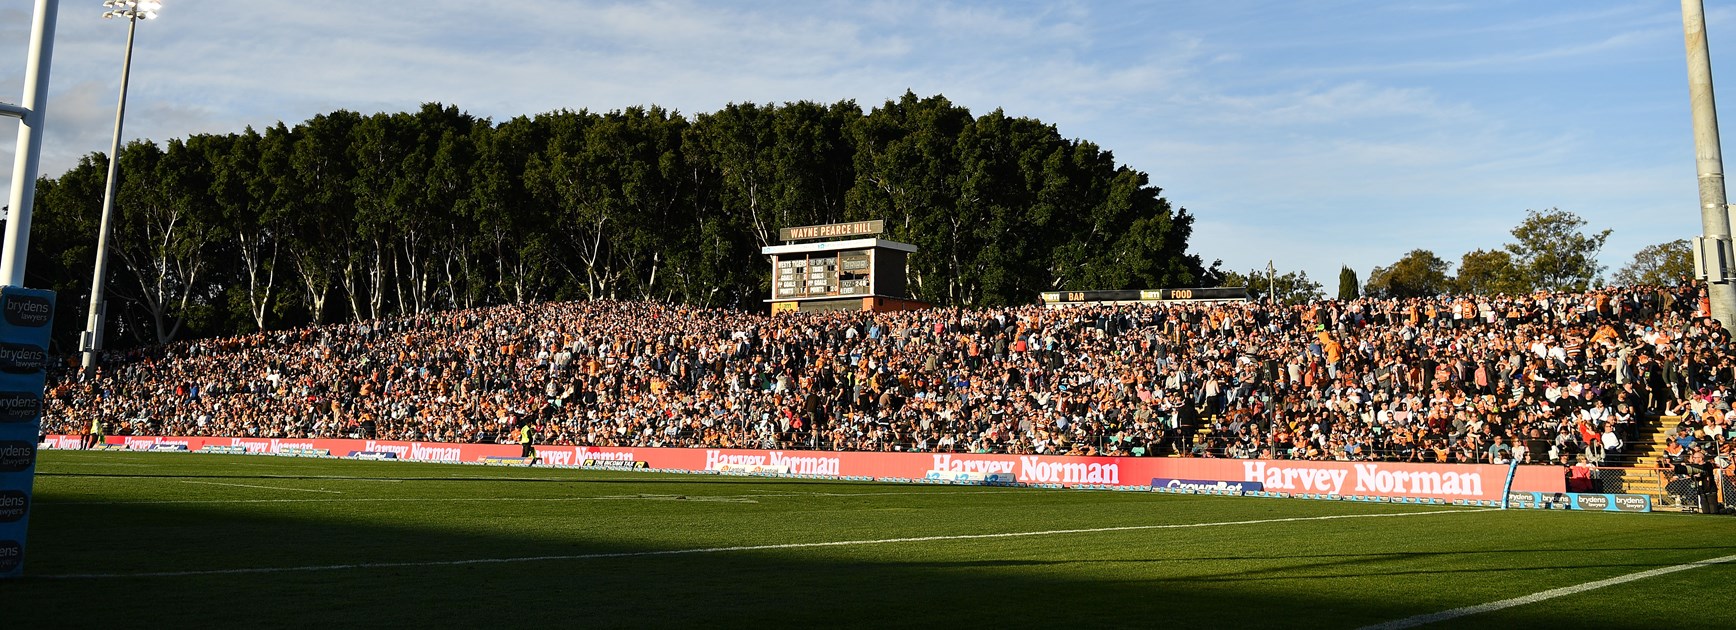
(526, 437)
(96, 435)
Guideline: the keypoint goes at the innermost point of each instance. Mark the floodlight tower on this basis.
(29, 313)
(32, 115)
(90, 345)
(1714, 259)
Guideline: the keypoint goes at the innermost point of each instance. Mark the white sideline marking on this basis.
(1412, 622)
(876, 494)
(686, 497)
(706, 550)
(242, 485)
(743, 498)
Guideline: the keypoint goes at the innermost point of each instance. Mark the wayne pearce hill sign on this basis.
(833, 230)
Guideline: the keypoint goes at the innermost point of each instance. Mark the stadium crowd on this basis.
(1545, 378)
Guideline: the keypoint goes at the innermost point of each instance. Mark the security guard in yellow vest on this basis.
(95, 437)
(524, 439)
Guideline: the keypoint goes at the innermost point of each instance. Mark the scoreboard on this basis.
(825, 274)
(851, 274)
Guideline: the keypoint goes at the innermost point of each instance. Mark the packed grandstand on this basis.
(1544, 379)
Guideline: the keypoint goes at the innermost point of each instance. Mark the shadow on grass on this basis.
(467, 566)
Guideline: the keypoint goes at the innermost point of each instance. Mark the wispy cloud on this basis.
(1515, 61)
(1316, 133)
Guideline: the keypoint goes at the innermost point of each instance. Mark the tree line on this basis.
(353, 217)
(1551, 251)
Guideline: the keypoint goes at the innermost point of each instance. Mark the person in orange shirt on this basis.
(1333, 351)
(1605, 332)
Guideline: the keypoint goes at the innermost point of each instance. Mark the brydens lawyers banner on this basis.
(1442, 481)
(26, 316)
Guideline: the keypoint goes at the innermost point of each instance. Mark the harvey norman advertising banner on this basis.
(1442, 481)
(26, 316)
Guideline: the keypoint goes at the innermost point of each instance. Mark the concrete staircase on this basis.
(1646, 450)
(1641, 466)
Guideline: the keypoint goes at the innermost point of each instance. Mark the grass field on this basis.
(167, 540)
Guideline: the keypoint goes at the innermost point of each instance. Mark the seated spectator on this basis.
(1579, 476)
(1417, 379)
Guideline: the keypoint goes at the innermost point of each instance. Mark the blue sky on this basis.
(1315, 134)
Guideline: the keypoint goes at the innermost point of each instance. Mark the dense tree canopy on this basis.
(1550, 252)
(351, 216)
(1419, 274)
(1553, 254)
(1669, 263)
(1489, 272)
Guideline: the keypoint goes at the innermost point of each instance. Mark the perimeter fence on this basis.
(1669, 489)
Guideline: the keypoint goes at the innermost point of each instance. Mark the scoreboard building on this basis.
(862, 272)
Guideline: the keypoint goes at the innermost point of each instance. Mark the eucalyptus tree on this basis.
(164, 230)
(559, 178)
(321, 202)
(387, 171)
(1002, 230)
(738, 144)
(244, 189)
(907, 172)
(451, 135)
(814, 160)
(1134, 237)
(1419, 273)
(753, 169)
(512, 228)
(399, 213)
(1552, 253)
(643, 168)
(1488, 272)
(1669, 263)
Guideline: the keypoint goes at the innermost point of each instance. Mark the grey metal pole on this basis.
(1271, 283)
(33, 118)
(1709, 158)
(92, 343)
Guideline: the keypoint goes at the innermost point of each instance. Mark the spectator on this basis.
(1438, 379)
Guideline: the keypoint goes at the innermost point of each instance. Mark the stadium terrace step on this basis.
(1647, 445)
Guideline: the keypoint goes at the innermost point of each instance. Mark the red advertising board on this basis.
(1373, 479)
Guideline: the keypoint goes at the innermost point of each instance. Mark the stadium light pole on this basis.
(91, 342)
(1271, 283)
(1713, 255)
(32, 115)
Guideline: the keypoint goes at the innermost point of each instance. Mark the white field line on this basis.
(242, 485)
(741, 498)
(710, 550)
(1412, 622)
(618, 497)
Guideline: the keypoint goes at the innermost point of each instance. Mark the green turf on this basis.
(637, 550)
